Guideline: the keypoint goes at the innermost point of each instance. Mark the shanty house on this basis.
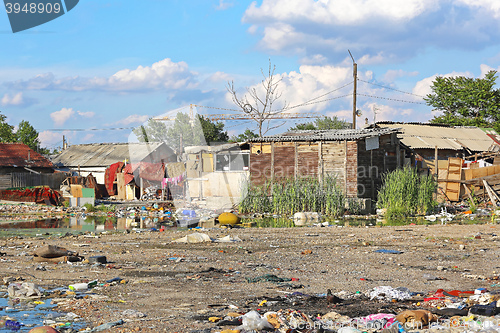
(450, 141)
(357, 157)
(216, 173)
(96, 157)
(22, 166)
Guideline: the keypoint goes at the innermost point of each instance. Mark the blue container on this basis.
(189, 212)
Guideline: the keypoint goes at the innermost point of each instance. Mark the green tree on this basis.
(213, 131)
(183, 131)
(242, 137)
(6, 131)
(324, 123)
(465, 101)
(27, 135)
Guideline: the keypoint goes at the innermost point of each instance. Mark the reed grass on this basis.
(405, 193)
(288, 196)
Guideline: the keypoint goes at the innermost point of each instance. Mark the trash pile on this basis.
(399, 310)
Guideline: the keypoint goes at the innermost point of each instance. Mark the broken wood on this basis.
(493, 196)
(468, 192)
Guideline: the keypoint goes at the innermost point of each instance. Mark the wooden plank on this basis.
(454, 173)
(120, 185)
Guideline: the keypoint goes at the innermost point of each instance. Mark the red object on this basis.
(110, 176)
(295, 279)
(39, 194)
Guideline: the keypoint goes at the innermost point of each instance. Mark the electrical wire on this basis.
(379, 85)
(390, 99)
(86, 129)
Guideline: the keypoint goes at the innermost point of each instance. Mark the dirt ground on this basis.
(179, 286)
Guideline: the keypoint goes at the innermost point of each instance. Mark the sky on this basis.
(107, 66)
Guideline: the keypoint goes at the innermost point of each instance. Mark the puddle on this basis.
(41, 227)
(33, 315)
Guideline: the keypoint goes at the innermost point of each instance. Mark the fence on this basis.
(19, 179)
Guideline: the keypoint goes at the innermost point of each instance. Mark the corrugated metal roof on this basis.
(20, 155)
(326, 135)
(444, 137)
(104, 154)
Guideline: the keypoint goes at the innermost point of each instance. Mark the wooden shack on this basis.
(357, 157)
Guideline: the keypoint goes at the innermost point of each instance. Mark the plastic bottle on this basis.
(13, 325)
(82, 286)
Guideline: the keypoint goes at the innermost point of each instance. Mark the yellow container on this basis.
(228, 218)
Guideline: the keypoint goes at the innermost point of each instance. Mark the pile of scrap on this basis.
(85, 182)
(36, 194)
(477, 179)
(81, 190)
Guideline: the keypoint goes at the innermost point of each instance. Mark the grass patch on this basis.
(405, 193)
(288, 196)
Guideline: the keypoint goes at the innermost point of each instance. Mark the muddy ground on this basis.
(179, 286)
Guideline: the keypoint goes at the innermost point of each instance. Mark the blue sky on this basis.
(108, 64)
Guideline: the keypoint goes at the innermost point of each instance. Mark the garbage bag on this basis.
(23, 290)
(196, 237)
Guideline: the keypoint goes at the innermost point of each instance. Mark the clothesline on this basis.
(173, 180)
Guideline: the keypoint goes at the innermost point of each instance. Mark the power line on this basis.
(85, 129)
(391, 99)
(379, 85)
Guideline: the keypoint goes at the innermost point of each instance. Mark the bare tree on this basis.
(257, 102)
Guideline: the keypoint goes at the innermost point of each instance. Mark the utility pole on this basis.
(355, 75)
(64, 142)
(375, 109)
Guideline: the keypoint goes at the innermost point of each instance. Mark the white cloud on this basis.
(401, 28)
(391, 75)
(492, 6)
(316, 59)
(164, 74)
(219, 77)
(338, 11)
(133, 119)
(88, 114)
(48, 138)
(16, 99)
(224, 5)
(61, 116)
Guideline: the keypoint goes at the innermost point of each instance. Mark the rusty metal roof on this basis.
(419, 136)
(20, 155)
(326, 135)
(105, 154)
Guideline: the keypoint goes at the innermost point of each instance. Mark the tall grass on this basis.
(288, 196)
(405, 193)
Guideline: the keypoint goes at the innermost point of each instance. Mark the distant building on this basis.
(22, 166)
(95, 158)
(357, 157)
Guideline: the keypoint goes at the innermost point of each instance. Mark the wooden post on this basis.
(272, 161)
(345, 167)
(200, 172)
(436, 169)
(296, 162)
(320, 161)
